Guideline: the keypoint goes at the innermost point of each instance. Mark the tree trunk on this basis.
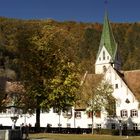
(92, 122)
(37, 119)
(37, 125)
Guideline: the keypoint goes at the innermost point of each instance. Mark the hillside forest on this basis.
(80, 41)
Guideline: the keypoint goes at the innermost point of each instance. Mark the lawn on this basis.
(81, 137)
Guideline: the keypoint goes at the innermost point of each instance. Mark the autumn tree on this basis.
(46, 68)
(2, 89)
(97, 95)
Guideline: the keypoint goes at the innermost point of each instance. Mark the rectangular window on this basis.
(113, 126)
(98, 125)
(55, 110)
(77, 114)
(59, 124)
(135, 126)
(90, 114)
(98, 114)
(68, 125)
(67, 113)
(116, 86)
(124, 113)
(89, 125)
(103, 55)
(125, 126)
(134, 113)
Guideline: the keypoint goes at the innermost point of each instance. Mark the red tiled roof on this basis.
(132, 79)
(90, 81)
(14, 87)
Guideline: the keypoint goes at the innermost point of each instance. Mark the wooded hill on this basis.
(79, 40)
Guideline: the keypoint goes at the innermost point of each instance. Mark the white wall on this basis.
(100, 62)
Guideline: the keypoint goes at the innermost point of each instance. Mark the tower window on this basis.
(116, 86)
(104, 69)
(103, 55)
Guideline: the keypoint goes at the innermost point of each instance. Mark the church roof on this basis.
(89, 84)
(14, 87)
(107, 38)
(132, 79)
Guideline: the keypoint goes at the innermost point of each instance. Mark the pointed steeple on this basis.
(108, 54)
(107, 38)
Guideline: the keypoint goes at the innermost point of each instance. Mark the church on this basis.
(125, 90)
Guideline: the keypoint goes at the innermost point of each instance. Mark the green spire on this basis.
(107, 38)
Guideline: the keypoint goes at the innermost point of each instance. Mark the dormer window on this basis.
(103, 55)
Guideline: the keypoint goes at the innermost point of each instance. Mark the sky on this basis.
(72, 10)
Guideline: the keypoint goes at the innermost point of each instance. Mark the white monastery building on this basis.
(126, 90)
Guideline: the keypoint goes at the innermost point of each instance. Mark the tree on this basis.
(47, 73)
(98, 95)
(2, 90)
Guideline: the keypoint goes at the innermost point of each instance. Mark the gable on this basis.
(129, 79)
(103, 57)
(91, 81)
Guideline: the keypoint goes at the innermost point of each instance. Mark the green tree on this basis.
(98, 95)
(48, 74)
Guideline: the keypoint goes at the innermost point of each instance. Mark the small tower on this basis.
(108, 51)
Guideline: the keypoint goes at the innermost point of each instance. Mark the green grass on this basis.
(81, 137)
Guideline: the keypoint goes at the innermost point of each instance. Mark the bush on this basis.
(106, 131)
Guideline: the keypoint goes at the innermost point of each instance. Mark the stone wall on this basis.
(10, 134)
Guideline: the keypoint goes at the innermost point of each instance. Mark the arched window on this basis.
(103, 55)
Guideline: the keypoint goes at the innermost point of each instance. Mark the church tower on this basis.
(108, 51)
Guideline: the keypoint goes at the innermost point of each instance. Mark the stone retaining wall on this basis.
(10, 135)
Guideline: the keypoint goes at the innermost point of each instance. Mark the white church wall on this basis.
(54, 119)
(102, 60)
